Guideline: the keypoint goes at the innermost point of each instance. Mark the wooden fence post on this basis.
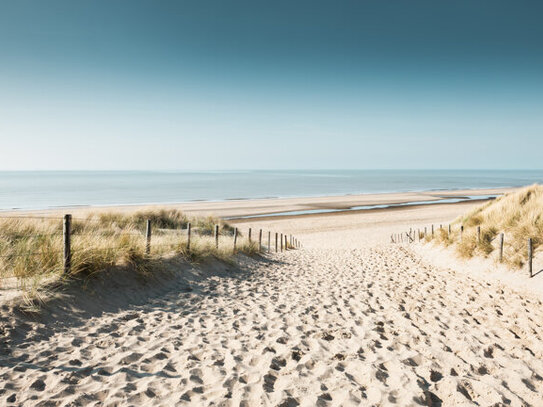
(461, 232)
(249, 235)
(432, 231)
(260, 241)
(148, 237)
(286, 242)
(479, 234)
(501, 247)
(67, 235)
(235, 238)
(281, 242)
(188, 236)
(269, 241)
(530, 256)
(216, 236)
(449, 234)
(276, 242)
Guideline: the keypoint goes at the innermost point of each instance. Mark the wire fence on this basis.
(22, 248)
(479, 239)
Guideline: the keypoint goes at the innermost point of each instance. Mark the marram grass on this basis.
(519, 215)
(31, 249)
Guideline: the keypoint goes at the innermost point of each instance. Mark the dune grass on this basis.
(519, 215)
(31, 249)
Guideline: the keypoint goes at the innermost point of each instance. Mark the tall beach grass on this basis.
(518, 215)
(31, 248)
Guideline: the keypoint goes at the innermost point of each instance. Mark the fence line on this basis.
(397, 238)
(67, 232)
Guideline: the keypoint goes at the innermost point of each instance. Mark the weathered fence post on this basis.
(67, 235)
(461, 232)
(501, 247)
(249, 235)
(479, 234)
(188, 236)
(449, 234)
(281, 238)
(276, 242)
(432, 231)
(425, 231)
(148, 237)
(269, 241)
(260, 241)
(235, 238)
(286, 242)
(216, 236)
(530, 255)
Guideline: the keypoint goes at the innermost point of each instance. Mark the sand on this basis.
(350, 319)
(245, 207)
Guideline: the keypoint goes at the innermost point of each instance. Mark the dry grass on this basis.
(519, 215)
(31, 249)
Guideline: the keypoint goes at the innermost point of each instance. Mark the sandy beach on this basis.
(349, 319)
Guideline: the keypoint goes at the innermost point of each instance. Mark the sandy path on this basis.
(370, 326)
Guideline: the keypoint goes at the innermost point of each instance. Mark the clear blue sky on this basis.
(282, 84)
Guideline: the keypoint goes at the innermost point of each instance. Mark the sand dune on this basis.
(354, 322)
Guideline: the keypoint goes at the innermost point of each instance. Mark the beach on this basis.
(347, 319)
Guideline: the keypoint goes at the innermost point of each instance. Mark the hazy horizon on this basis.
(53, 189)
(144, 85)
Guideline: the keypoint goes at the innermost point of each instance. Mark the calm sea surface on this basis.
(46, 189)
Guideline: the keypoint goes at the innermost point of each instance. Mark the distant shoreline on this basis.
(38, 191)
(280, 207)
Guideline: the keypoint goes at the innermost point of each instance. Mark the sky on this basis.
(176, 85)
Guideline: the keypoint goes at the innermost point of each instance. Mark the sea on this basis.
(52, 189)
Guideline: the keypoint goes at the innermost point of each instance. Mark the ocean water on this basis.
(48, 189)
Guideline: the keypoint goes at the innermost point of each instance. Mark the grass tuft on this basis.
(31, 249)
(519, 215)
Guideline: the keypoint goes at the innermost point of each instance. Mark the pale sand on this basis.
(348, 320)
